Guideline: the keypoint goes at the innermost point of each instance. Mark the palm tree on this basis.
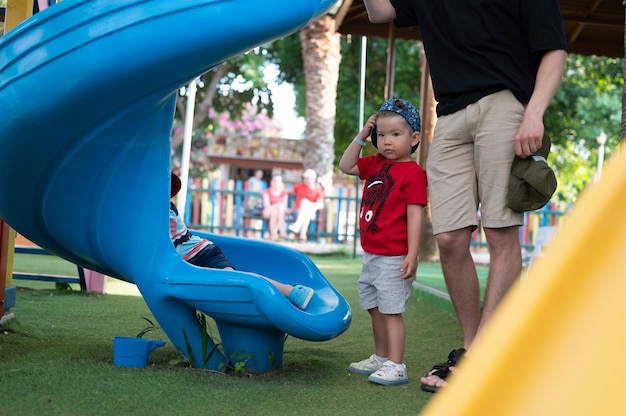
(321, 55)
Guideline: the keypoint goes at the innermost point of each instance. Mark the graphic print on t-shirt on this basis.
(378, 187)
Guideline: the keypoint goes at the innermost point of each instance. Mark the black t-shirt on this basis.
(477, 47)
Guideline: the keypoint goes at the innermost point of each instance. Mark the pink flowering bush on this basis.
(251, 124)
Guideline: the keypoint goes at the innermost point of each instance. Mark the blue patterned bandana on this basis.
(405, 109)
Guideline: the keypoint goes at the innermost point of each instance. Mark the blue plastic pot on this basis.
(133, 352)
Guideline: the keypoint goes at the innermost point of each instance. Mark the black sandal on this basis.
(442, 370)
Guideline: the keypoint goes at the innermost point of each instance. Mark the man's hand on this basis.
(529, 136)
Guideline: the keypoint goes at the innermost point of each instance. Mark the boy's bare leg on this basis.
(396, 337)
(379, 330)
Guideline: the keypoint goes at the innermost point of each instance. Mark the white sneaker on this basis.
(367, 366)
(389, 375)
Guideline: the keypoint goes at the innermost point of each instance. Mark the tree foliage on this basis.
(249, 123)
(407, 79)
(587, 102)
(232, 87)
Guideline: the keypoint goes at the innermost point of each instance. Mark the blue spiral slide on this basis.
(87, 93)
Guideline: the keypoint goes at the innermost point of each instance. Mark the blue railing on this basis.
(220, 208)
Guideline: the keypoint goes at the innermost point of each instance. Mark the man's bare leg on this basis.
(505, 267)
(459, 272)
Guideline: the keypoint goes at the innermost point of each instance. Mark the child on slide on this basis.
(204, 253)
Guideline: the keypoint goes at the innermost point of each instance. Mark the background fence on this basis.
(220, 207)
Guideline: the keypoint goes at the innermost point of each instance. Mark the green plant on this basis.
(151, 327)
(62, 286)
(206, 336)
(239, 359)
(189, 349)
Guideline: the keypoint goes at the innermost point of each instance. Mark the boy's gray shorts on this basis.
(380, 284)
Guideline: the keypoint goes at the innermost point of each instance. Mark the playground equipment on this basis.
(87, 91)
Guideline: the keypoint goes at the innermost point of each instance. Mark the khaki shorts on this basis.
(469, 164)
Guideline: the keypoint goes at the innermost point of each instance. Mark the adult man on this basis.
(495, 67)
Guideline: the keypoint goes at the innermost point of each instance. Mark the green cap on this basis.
(532, 182)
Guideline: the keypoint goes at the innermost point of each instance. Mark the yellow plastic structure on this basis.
(555, 345)
(17, 12)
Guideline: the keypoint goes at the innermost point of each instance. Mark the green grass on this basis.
(57, 357)
(430, 274)
(38, 263)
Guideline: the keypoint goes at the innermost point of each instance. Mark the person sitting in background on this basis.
(309, 199)
(275, 207)
(202, 252)
(258, 185)
(254, 202)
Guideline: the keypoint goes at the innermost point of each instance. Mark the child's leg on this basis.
(392, 372)
(396, 335)
(299, 295)
(214, 258)
(379, 329)
(284, 288)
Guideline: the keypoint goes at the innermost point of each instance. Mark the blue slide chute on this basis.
(87, 94)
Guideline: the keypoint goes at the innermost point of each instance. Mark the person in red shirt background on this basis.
(309, 200)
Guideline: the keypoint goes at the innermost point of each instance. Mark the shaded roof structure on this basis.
(592, 27)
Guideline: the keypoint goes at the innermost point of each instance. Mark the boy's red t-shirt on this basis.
(388, 188)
